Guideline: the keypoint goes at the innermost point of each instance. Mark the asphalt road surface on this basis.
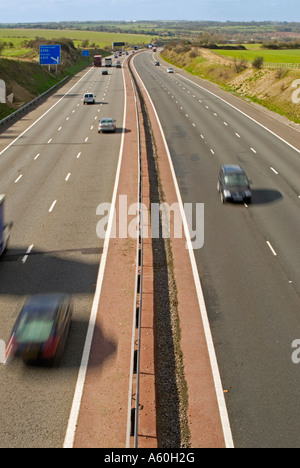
(249, 264)
(55, 174)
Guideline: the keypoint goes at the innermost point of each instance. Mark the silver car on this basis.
(107, 125)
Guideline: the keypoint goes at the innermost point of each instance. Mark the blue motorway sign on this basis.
(50, 55)
(85, 53)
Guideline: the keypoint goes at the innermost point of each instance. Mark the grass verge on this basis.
(27, 80)
(273, 89)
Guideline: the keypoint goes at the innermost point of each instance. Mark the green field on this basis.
(255, 50)
(101, 39)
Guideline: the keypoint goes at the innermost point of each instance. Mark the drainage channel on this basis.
(171, 393)
(134, 385)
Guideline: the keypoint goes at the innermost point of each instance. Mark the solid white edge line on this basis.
(211, 350)
(73, 418)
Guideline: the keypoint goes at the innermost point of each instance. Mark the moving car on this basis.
(118, 64)
(104, 72)
(157, 64)
(233, 185)
(170, 70)
(89, 98)
(107, 125)
(40, 332)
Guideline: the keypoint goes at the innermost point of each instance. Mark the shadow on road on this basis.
(264, 196)
(71, 271)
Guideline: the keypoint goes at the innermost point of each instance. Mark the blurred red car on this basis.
(40, 332)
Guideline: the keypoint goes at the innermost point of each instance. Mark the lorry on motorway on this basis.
(97, 60)
(4, 228)
(108, 62)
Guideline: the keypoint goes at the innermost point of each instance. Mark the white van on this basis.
(108, 62)
(89, 98)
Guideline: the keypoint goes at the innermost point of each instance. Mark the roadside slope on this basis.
(273, 89)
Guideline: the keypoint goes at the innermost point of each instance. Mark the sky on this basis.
(20, 11)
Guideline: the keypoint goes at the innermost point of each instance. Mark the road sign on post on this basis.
(50, 54)
(118, 44)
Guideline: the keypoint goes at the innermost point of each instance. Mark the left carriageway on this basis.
(55, 170)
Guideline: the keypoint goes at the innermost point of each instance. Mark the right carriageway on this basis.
(251, 295)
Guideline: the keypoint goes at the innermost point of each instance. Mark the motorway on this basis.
(55, 170)
(249, 264)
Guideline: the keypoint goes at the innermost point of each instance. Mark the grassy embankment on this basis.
(23, 75)
(27, 80)
(233, 71)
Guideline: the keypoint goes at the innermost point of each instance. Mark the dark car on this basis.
(233, 185)
(40, 332)
(104, 72)
(157, 64)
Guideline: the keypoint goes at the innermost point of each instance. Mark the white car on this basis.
(89, 98)
(107, 125)
(170, 70)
